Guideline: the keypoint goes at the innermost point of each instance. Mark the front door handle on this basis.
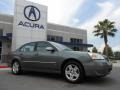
(36, 54)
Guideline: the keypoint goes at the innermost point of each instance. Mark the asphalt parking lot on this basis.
(40, 81)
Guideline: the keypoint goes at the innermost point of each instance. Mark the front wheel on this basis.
(16, 68)
(73, 72)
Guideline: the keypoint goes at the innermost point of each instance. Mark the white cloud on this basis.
(116, 48)
(107, 11)
(115, 16)
(60, 11)
(74, 21)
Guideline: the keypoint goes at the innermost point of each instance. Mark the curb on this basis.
(4, 66)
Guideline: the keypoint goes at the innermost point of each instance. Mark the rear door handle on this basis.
(21, 53)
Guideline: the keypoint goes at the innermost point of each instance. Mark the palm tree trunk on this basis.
(106, 49)
(106, 45)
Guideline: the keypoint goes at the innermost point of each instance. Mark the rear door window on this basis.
(30, 47)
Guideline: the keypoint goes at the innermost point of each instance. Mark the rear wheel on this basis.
(16, 68)
(73, 72)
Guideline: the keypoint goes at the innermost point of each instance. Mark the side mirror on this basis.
(50, 49)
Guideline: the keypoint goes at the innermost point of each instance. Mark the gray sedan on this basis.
(46, 56)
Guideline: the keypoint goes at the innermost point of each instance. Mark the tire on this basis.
(16, 68)
(73, 72)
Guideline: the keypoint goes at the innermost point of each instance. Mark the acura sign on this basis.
(31, 13)
(30, 23)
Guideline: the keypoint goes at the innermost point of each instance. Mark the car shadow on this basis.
(92, 81)
(88, 80)
(43, 75)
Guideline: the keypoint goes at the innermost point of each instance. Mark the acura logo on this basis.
(32, 13)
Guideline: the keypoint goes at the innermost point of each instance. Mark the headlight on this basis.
(96, 56)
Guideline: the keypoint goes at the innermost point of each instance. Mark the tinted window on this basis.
(28, 47)
(41, 46)
(60, 46)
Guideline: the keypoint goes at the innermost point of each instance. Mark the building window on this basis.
(75, 40)
(76, 48)
(55, 38)
(1, 32)
(52, 38)
(48, 37)
(9, 34)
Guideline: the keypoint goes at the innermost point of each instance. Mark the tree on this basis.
(94, 50)
(117, 55)
(104, 29)
(110, 52)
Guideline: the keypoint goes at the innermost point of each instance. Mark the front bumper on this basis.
(98, 68)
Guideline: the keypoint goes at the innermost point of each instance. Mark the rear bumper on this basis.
(98, 68)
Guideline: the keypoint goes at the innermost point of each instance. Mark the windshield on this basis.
(61, 47)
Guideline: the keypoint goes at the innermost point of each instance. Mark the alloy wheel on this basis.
(15, 67)
(72, 72)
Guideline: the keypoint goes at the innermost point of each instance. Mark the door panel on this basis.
(29, 60)
(47, 59)
(27, 54)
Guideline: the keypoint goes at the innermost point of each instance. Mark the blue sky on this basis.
(80, 14)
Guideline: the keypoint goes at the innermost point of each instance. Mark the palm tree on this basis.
(104, 29)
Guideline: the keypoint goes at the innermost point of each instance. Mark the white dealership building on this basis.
(29, 23)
